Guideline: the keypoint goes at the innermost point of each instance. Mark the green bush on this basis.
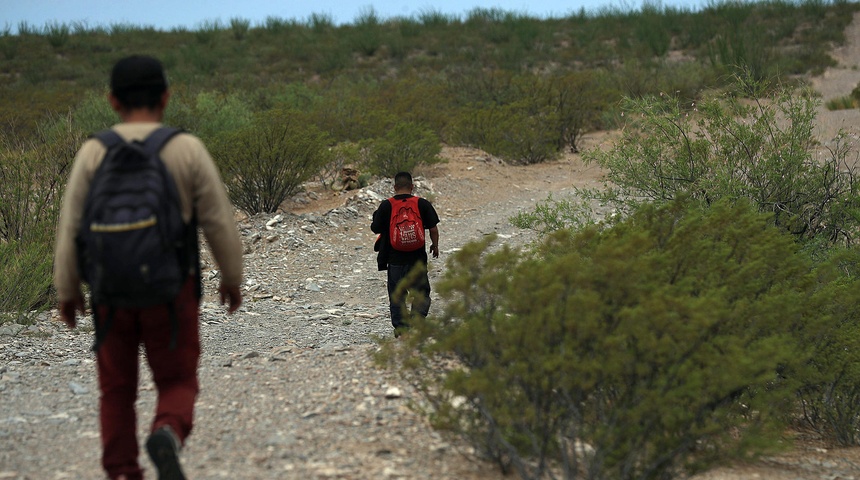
(403, 148)
(841, 103)
(527, 118)
(829, 385)
(9, 44)
(94, 113)
(25, 276)
(855, 94)
(412, 98)
(240, 26)
(366, 36)
(320, 23)
(217, 113)
(513, 132)
(33, 175)
(653, 30)
(208, 31)
(351, 113)
(552, 215)
(266, 163)
(579, 100)
(649, 349)
(725, 147)
(57, 34)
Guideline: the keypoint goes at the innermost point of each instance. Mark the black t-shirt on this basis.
(382, 218)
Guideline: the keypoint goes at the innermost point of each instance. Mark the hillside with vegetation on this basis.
(520, 88)
(723, 280)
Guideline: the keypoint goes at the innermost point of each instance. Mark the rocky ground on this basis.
(289, 387)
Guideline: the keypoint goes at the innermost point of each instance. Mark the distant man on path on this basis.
(169, 331)
(401, 221)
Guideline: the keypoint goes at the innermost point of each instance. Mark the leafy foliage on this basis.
(212, 114)
(829, 386)
(553, 214)
(25, 276)
(643, 350)
(32, 178)
(265, 163)
(725, 147)
(403, 148)
(517, 132)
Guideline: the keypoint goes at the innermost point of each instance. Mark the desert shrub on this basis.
(366, 36)
(841, 103)
(295, 96)
(648, 349)
(652, 30)
(320, 23)
(57, 34)
(552, 214)
(208, 31)
(265, 163)
(94, 113)
(743, 49)
(514, 132)
(403, 148)
(434, 18)
(9, 44)
(33, 173)
(726, 147)
(476, 87)
(855, 95)
(829, 385)
(240, 26)
(529, 118)
(217, 113)
(414, 99)
(25, 276)
(579, 100)
(350, 113)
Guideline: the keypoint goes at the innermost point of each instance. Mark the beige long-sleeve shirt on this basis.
(200, 189)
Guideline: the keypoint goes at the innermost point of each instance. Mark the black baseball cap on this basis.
(137, 72)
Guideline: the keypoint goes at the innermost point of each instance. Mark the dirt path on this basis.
(289, 389)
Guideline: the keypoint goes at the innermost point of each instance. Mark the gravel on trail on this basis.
(289, 387)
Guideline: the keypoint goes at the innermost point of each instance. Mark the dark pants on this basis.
(174, 372)
(417, 285)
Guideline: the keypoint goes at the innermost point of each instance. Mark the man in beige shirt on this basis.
(139, 94)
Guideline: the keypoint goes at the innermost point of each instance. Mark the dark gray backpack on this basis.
(134, 250)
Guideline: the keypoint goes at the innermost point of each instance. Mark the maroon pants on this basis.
(173, 370)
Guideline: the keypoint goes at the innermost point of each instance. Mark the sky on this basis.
(168, 14)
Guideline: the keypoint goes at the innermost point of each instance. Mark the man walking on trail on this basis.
(168, 331)
(401, 221)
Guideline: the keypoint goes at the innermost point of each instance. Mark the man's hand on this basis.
(68, 309)
(434, 249)
(231, 295)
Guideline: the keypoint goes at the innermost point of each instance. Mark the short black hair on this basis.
(402, 180)
(138, 81)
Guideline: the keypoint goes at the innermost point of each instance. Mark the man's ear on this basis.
(115, 103)
(165, 97)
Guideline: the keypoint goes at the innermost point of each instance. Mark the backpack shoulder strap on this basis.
(108, 137)
(157, 139)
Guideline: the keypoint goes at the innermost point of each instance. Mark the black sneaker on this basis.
(163, 447)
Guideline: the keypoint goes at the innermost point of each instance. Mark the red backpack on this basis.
(406, 229)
